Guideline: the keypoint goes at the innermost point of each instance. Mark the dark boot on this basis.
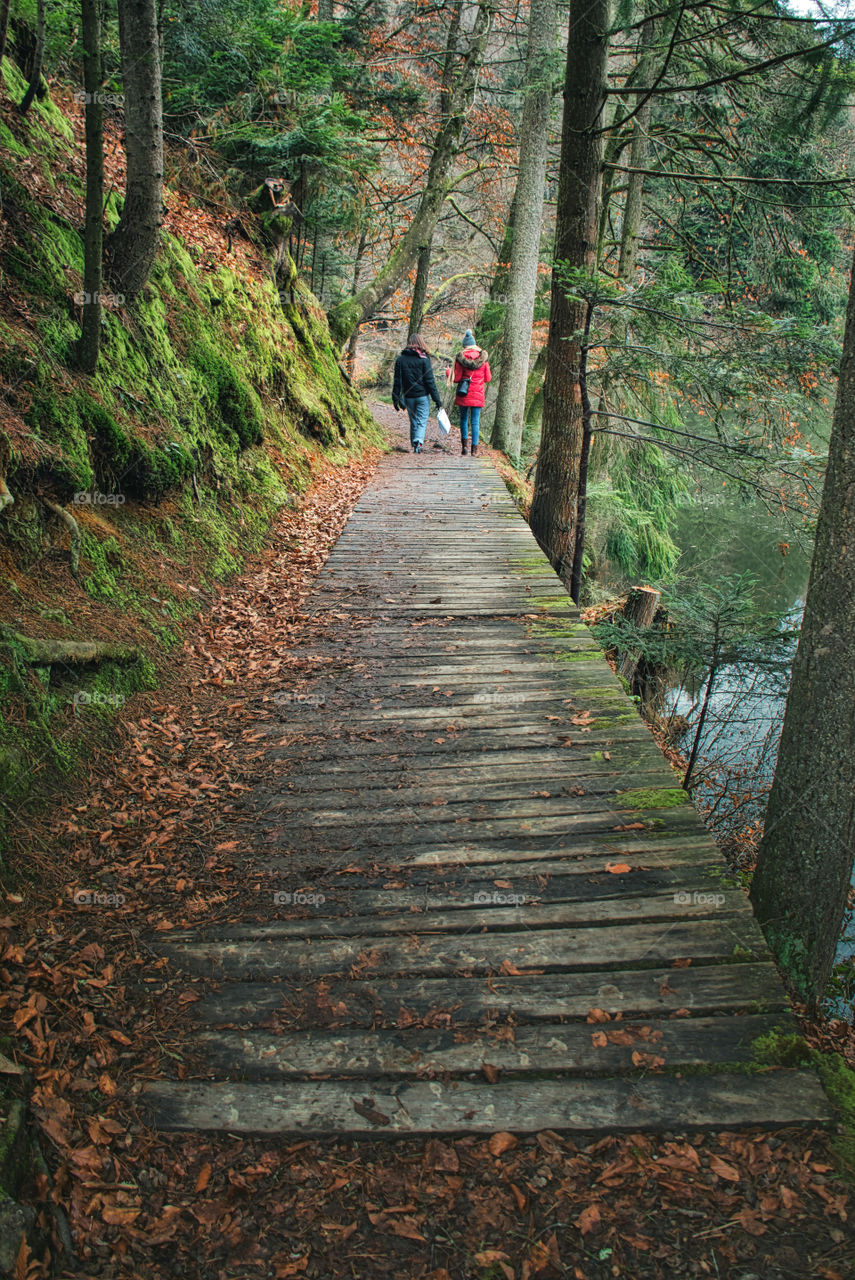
(463, 444)
(474, 450)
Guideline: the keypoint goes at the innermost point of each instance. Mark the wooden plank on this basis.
(447, 1001)
(528, 851)
(654, 1103)
(345, 835)
(487, 908)
(553, 1048)
(644, 945)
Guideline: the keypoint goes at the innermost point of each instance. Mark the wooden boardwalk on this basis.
(495, 908)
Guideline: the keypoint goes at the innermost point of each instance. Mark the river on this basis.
(720, 537)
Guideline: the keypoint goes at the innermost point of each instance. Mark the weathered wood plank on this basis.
(447, 1001)
(485, 908)
(775, 1098)
(578, 1047)
(724, 939)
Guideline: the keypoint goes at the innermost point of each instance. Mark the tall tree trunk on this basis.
(632, 208)
(525, 252)
(134, 243)
(4, 25)
(498, 294)
(326, 11)
(93, 240)
(801, 883)
(556, 486)
(38, 58)
(584, 462)
(460, 81)
(417, 306)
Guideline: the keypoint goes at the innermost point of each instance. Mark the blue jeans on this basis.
(418, 408)
(470, 413)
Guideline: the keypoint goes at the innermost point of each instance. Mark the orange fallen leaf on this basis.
(588, 1219)
(501, 1142)
(724, 1170)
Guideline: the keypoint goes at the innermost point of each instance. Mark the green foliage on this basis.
(706, 622)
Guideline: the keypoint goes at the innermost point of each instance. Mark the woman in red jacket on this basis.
(471, 373)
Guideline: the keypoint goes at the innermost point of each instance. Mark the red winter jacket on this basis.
(472, 363)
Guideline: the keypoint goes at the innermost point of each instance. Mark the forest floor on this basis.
(94, 1016)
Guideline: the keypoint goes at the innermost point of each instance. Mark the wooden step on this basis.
(658, 1103)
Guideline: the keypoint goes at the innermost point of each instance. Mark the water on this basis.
(721, 537)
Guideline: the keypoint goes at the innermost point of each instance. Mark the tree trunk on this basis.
(584, 460)
(133, 245)
(640, 610)
(556, 487)
(525, 252)
(93, 240)
(326, 11)
(801, 883)
(417, 306)
(632, 208)
(38, 58)
(456, 95)
(498, 294)
(4, 25)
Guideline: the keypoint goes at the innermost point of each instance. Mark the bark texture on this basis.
(133, 245)
(801, 883)
(417, 306)
(93, 238)
(554, 504)
(38, 58)
(525, 251)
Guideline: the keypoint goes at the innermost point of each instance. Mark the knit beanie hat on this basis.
(469, 339)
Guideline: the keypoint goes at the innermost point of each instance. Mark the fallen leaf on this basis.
(501, 1142)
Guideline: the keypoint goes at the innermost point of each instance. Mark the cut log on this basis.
(640, 609)
(44, 653)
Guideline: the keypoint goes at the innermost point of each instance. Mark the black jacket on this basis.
(413, 377)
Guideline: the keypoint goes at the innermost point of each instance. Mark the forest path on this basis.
(483, 903)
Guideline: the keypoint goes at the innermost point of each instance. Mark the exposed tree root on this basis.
(73, 528)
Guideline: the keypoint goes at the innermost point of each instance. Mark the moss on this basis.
(839, 1082)
(609, 722)
(648, 798)
(576, 655)
(238, 413)
(781, 1047)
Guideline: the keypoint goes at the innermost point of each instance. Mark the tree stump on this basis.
(640, 609)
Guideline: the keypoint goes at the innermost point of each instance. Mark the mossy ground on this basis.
(212, 407)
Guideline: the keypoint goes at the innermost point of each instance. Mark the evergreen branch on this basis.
(754, 69)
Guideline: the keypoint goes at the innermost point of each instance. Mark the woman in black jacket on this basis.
(414, 387)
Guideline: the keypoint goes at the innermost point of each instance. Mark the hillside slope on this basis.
(213, 406)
